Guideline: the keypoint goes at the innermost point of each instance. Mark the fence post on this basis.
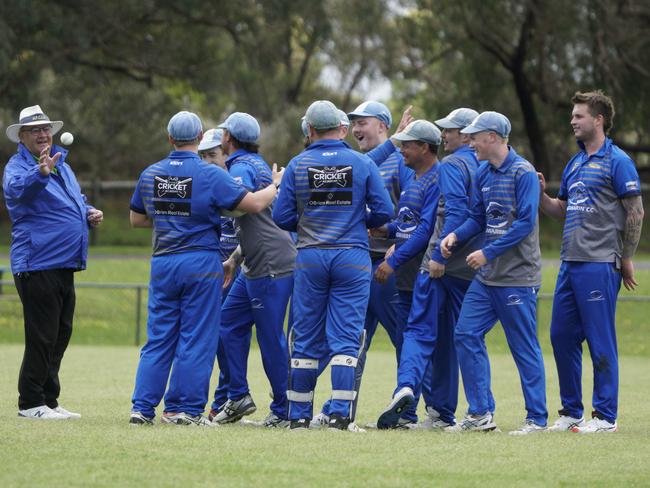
(138, 305)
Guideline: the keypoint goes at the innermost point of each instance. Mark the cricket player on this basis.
(505, 197)
(428, 353)
(332, 194)
(261, 292)
(600, 203)
(181, 198)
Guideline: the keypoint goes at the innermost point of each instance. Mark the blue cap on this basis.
(211, 139)
(303, 126)
(345, 121)
(323, 115)
(372, 109)
(457, 119)
(420, 130)
(184, 126)
(242, 126)
(489, 121)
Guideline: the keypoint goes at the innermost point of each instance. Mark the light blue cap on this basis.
(489, 121)
(211, 139)
(303, 126)
(457, 119)
(372, 109)
(242, 126)
(345, 121)
(323, 115)
(420, 130)
(184, 126)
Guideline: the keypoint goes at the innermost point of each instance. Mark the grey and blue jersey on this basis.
(457, 174)
(181, 195)
(593, 187)
(267, 249)
(397, 177)
(324, 194)
(504, 207)
(413, 227)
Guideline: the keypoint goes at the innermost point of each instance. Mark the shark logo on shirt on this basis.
(496, 218)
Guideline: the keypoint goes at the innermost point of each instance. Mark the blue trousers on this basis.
(516, 308)
(330, 302)
(263, 302)
(429, 348)
(221, 391)
(584, 308)
(182, 329)
(383, 306)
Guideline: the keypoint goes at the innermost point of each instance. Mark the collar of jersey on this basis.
(465, 148)
(328, 143)
(510, 158)
(238, 153)
(600, 153)
(27, 156)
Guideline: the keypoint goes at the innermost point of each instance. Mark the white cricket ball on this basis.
(67, 138)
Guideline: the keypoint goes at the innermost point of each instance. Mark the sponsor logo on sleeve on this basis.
(631, 185)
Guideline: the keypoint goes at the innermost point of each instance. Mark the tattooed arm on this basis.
(631, 235)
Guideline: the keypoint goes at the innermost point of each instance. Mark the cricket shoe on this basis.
(272, 421)
(338, 422)
(234, 410)
(565, 423)
(67, 413)
(138, 418)
(433, 421)
(213, 413)
(299, 424)
(402, 424)
(529, 427)
(474, 423)
(41, 413)
(389, 419)
(182, 418)
(320, 421)
(597, 425)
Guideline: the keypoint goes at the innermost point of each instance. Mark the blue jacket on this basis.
(49, 226)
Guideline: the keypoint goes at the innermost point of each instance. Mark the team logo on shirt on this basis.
(407, 222)
(496, 218)
(631, 185)
(579, 198)
(173, 186)
(323, 179)
(176, 187)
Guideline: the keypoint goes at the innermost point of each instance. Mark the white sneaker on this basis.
(433, 421)
(353, 427)
(529, 427)
(566, 423)
(41, 413)
(183, 418)
(67, 413)
(596, 426)
(320, 421)
(476, 423)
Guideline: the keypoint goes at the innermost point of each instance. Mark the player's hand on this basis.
(406, 119)
(476, 259)
(379, 231)
(542, 182)
(436, 270)
(383, 272)
(277, 175)
(448, 244)
(627, 271)
(95, 217)
(46, 163)
(229, 268)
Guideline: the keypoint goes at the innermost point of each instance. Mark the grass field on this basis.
(101, 449)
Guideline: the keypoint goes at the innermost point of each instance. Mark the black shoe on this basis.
(299, 424)
(338, 422)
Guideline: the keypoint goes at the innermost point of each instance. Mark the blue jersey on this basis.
(413, 226)
(324, 194)
(457, 174)
(397, 177)
(267, 249)
(229, 239)
(182, 195)
(504, 206)
(593, 187)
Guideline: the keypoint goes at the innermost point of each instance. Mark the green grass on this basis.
(102, 450)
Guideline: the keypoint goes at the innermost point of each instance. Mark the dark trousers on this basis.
(48, 299)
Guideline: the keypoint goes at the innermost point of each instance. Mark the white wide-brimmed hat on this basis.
(32, 116)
